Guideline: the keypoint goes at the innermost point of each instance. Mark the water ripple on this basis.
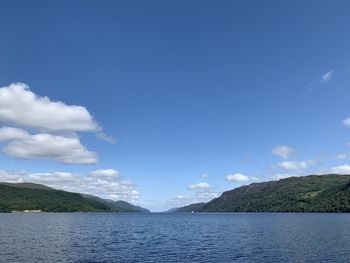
(201, 237)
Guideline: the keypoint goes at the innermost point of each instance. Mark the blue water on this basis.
(199, 237)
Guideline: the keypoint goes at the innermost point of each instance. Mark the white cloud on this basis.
(56, 122)
(283, 151)
(326, 77)
(109, 173)
(204, 175)
(346, 122)
(294, 165)
(67, 150)
(9, 134)
(237, 177)
(342, 169)
(199, 186)
(21, 107)
(113, 187)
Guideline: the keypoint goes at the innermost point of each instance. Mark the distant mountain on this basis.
(314, 193)
(29, 196)
(127, 207)
(120, 206)
(190, 208)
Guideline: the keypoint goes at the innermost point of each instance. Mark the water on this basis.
(199, 237)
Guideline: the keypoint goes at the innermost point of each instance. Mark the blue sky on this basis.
(185, 88)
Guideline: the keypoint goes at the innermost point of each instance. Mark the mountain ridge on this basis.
(313, 193)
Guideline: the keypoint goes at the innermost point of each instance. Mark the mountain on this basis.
(314, 193)
(29, 196)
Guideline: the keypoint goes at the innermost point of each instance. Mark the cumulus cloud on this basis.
(67, 150)
(237, 177)
(55, 122)
(326, 77)
(9, 134)
(294, 165)
(199, 186)
(19, 106)
(109, 187)
(283, 151)
(342, 169)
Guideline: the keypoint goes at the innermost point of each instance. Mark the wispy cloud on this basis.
(342, 156)
(106, 137)
(325, 78)
(107, 173)
(283, 151)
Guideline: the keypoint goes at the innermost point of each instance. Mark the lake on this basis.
(174, 237)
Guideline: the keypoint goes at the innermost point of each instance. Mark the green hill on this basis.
(28, 196)
(314, 193)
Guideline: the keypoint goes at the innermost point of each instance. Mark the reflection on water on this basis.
(199, 237)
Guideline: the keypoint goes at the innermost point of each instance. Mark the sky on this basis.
(166, 103)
